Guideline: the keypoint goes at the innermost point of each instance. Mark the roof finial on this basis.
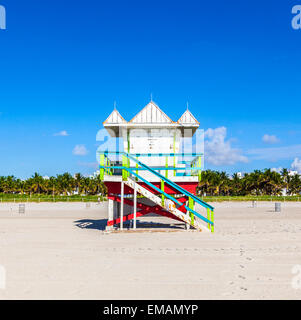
(151, 97)
(114, 105)
(187, 105)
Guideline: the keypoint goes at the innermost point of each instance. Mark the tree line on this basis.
(62, 184)
(258, 182)
(213, 183)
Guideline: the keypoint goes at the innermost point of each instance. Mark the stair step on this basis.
(157, 200)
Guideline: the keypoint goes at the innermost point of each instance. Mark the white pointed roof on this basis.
(188, 118)
(151, 116)
(114, 118)
(151, 113)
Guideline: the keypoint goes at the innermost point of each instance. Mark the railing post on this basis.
(209, 218)
(124, 164)
(137, 169)
(162, 196)
(191, 206)
(212, 220)
(111, 169)
(102, 163)
(199, 170)
(174, 153)
(121, 205)
(135, 207)
(128, 165)
(166, 167)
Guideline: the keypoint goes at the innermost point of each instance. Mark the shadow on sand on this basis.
(91, 224)
(101, 224)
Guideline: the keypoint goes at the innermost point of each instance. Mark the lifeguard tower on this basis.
(150, 171)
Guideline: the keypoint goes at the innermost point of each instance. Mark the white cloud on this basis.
(219, 151)
(296, 165)
(276, 153)
(270, 139)
(279, 169)
(80, 150)
(93, 165)
(63, 133)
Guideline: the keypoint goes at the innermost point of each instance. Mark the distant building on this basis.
(95, 174)
(292, 173)
(284, 192)
(240, 175)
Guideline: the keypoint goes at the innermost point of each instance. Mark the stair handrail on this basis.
(168, 181)
(170, 197)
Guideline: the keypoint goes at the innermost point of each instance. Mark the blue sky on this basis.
(64, 63)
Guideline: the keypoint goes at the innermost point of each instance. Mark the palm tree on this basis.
(9, 184)
(294, 186)
(66, 183)
(286, 179)
(235, 184)
(78, 181)
(266, 182)
(272, 182)
(52, 186)
(37, 183)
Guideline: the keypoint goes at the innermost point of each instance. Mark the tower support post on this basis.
(121, 205)
(135, 207)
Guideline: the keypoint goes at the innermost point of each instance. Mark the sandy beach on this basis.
(61, 251)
